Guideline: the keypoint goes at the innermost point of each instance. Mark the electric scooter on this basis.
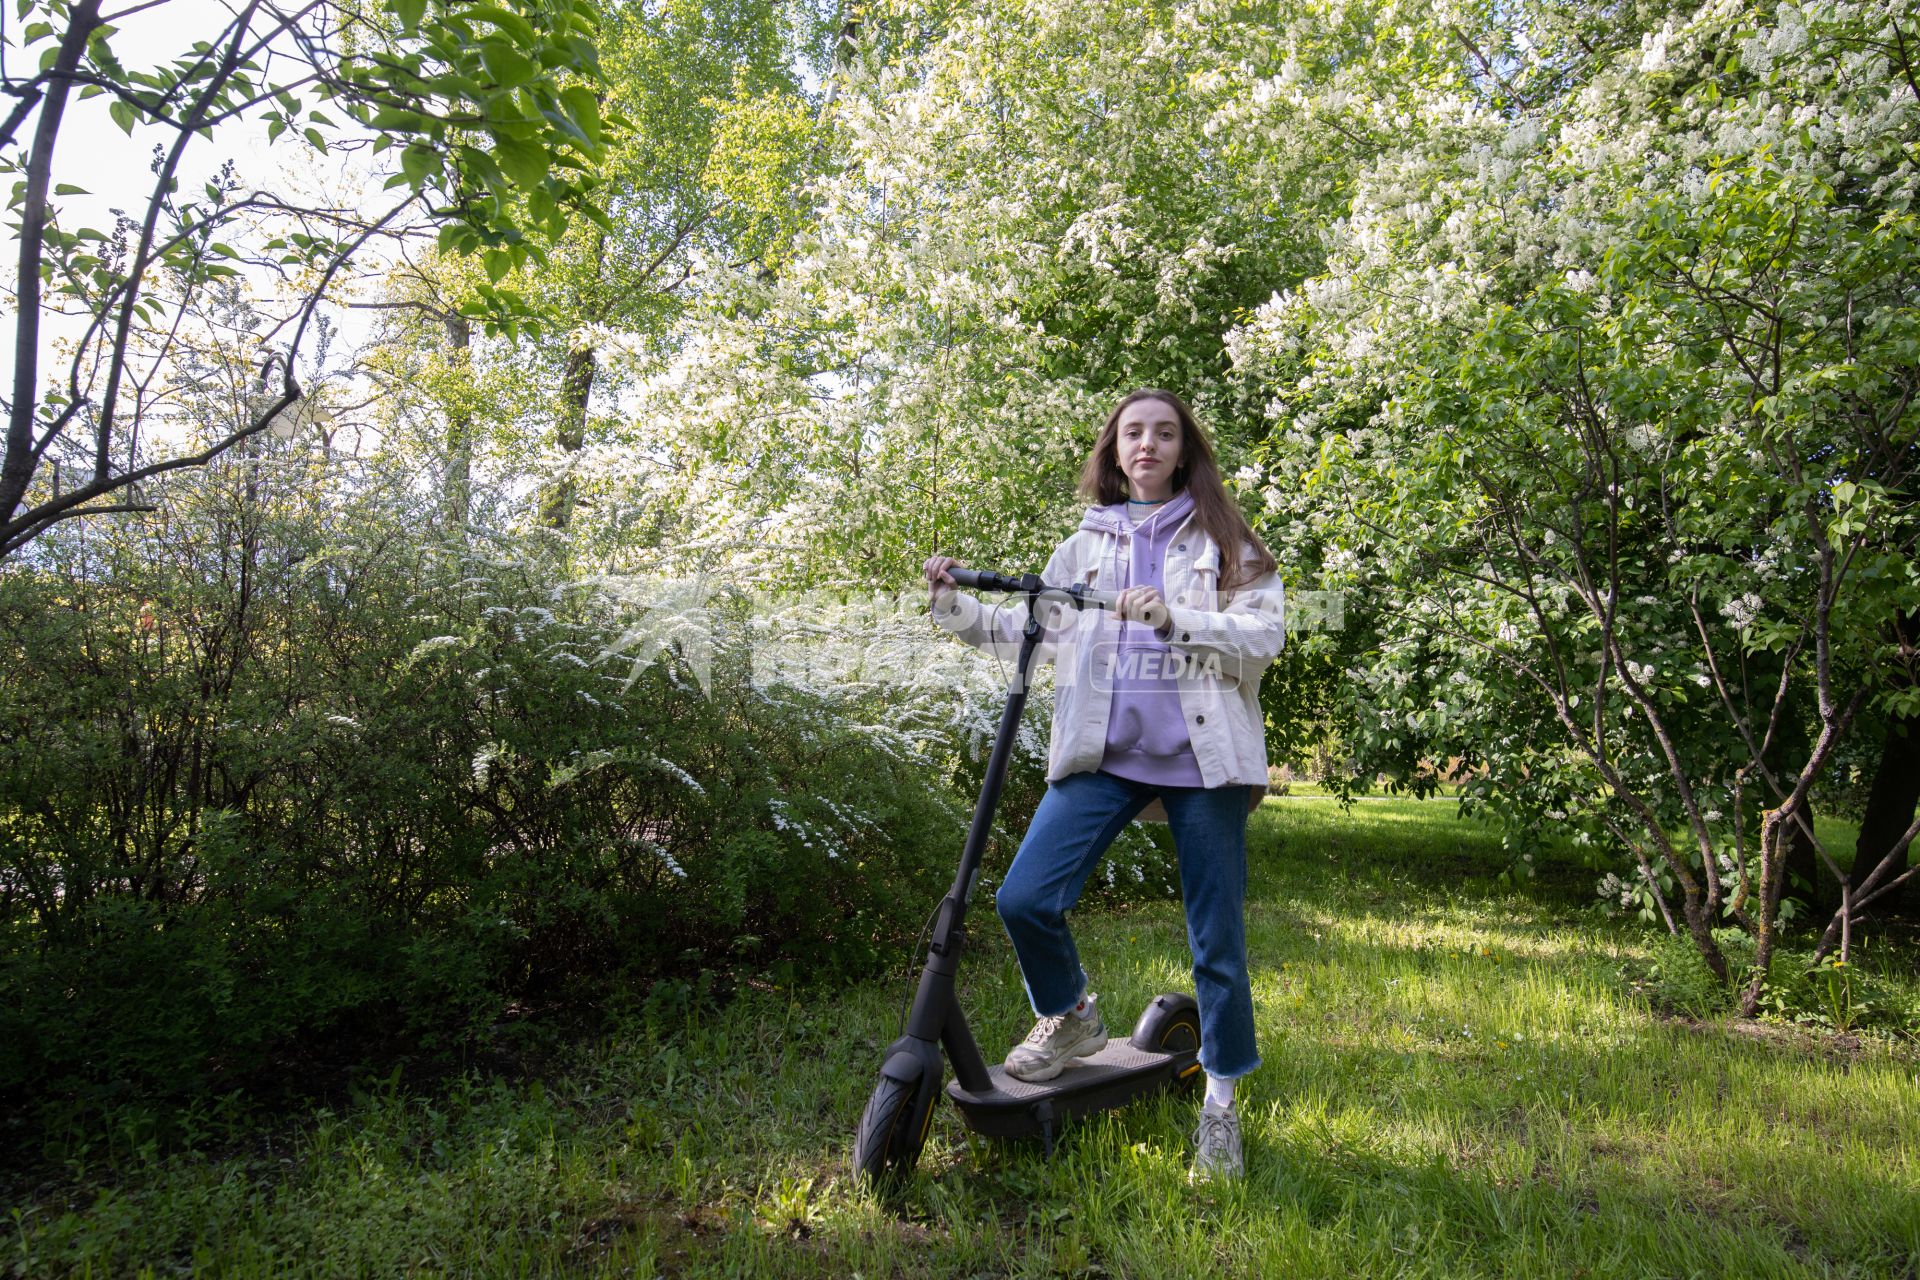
(1162, 1052)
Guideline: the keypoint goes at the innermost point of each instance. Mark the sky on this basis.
(115, 169)
(114, 172)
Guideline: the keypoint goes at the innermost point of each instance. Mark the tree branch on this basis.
(16, 472)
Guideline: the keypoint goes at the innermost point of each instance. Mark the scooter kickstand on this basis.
(1043, 1112)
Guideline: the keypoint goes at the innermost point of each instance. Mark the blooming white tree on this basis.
(1612, 390)
(1028, 208)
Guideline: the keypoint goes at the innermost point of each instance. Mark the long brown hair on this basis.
(1243, 557)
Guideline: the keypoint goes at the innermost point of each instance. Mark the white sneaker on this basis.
(1216, 1146)
(1044, 1053)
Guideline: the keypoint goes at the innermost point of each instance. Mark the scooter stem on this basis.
(996, 775)
(936, 1013)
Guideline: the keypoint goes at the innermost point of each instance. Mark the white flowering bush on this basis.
(1604, 404)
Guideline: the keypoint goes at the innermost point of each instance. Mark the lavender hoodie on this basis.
(1146, 733)
(1227, 639)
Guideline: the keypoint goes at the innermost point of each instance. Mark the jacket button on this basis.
(1181, 547)
(1199, 719)
(1185, 636)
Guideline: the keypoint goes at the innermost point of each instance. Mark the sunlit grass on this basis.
(1458, 1081)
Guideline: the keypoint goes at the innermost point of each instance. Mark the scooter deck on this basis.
(1115, 1075)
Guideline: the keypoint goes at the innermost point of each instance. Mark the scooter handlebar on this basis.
(1079, 594)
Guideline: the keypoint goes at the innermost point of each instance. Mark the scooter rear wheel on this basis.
(892, 1131)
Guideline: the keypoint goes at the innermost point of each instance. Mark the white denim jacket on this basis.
(1225, 645)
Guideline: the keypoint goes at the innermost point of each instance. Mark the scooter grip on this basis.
(985, 579)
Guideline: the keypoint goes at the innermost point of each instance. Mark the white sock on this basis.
(1219, 1092)
(1084, 1009)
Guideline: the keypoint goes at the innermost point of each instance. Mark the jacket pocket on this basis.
(1199, 588)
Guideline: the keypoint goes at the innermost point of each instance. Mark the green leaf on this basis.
(540, 207)
(598, 217)
(524, 162)
(584, 109)
(567, 127)
(512, 23)
(68, 189)
(409, 12)
(399, 121)
(123, 115)
(419, 163)
(506, 64)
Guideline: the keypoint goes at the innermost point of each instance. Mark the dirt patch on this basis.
(679, 1234)
(1843, 1049)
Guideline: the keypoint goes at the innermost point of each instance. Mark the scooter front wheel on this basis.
(892, 1131)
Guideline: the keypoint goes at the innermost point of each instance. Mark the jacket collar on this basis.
(1113, 519)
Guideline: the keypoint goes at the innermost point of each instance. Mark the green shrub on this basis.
(260, 789)
(1678, 980)
(1833, 995)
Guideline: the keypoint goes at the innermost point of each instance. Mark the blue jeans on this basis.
(1077, 820)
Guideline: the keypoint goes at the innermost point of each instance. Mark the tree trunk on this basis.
(1895, 790)
(844, 48)
(1890, 804)
(1765, 915)
(1804, 872)
(576, 389)
(1804, 869)
(459, 487)
(16, 472)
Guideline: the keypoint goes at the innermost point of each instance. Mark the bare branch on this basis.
(16, 472)
(144, 255)
(30, 96)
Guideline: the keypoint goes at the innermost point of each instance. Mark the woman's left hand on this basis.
(1145, 604)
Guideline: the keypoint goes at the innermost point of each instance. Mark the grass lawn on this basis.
(1458, 1082)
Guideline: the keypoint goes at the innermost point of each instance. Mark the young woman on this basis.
(1156, 715)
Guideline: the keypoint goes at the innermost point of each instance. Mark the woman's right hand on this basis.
(938, 579)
